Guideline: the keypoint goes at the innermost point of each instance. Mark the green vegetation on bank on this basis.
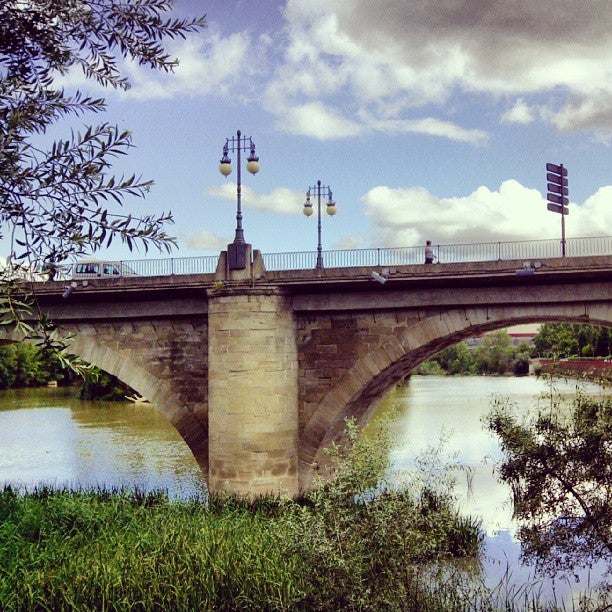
(353, 543)
(496, 354)
(27, 365)
(565, 340)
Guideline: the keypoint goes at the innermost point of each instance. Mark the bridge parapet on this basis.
(368, 257)
(195, 285)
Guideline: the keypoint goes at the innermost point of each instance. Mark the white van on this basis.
(101, 269)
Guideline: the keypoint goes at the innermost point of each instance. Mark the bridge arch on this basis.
(146, 358)
(360, 390)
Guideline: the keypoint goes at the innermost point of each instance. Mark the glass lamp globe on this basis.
(253, 166)
(225, 168)
(308, 209)
(331, 208)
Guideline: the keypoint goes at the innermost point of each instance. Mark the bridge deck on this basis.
(339, 276)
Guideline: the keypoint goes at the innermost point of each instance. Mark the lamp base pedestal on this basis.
(240, 263)
(237, 255)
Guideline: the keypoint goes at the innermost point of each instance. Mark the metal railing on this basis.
(445, 253)
(373, 257)
(174, 266)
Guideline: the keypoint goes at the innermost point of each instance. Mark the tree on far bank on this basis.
(495, 355)
(562, 340)
(63, 201)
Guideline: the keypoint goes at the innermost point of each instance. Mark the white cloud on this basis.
(388, 58)
(594, 217)
(513, 212)
(283, 201)
(432, 126)
(208, 64)
(341, 68)
(339, 62)
(351, 242)
(520, 113)
(586, 113)
(206, 240)
(318, 121)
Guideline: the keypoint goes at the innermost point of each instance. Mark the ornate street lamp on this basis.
(237, 250)
(331, 211)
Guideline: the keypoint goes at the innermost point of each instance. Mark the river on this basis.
(49, 436)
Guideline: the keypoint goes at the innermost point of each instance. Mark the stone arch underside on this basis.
(164, 361)
(370, 378)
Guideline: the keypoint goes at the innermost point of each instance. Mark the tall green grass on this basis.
(102, 551)
(121, 550)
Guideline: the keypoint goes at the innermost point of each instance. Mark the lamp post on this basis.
(237, 250)
(331, 211)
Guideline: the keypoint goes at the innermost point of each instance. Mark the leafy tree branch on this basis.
(60, 202)
(559, 467)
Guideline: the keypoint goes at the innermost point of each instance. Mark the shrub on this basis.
(361, 538)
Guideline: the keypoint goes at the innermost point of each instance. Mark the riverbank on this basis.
(128, 550)
(51, 437)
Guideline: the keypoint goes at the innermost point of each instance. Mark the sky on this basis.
(427, 120)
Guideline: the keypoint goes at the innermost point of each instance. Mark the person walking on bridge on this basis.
(429, 253)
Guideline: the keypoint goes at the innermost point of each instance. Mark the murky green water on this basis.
(48, 436)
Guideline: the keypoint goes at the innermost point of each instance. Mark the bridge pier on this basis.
(253, 392)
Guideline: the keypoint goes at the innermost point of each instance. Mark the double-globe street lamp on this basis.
(331, 211)
(236, 252)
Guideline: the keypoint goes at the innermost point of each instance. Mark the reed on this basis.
(104, 550)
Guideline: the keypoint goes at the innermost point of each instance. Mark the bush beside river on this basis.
(24, 365)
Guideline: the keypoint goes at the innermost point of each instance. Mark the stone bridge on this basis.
(258, 370)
